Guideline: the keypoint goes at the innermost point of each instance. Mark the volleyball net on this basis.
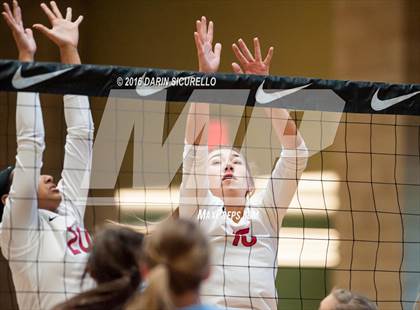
(354, 221)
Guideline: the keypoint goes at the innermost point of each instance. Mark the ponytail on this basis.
(157, 295)
(177, 255)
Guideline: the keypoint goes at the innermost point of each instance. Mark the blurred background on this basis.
(373, 164)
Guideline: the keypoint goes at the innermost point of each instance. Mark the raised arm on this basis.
(195, 187)
(20, 216)
(283, 124)
(64, 33)
(284, 179)
(24, 38)
(208, 62)
(78, 149)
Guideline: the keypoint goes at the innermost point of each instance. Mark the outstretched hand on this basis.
(24, 38)
(251, 64)
(64, 33)
(208, 59)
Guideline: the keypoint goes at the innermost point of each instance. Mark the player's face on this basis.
(328, 303)
(49, 196)
(227, 173)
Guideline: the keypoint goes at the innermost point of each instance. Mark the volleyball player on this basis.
(244, 261)
(113, 264)
(42, 233)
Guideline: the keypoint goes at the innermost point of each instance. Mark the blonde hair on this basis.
(416, 305)
(149, 226)
(347, 300)
(177, 255)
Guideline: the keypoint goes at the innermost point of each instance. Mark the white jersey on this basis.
(244, 254)
(47, 251)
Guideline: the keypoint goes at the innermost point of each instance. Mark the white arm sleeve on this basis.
(195, 184)
(75, 177)
(20, 217)
(283, 183)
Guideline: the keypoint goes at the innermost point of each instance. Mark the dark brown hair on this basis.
(113, 265)
(6, 180)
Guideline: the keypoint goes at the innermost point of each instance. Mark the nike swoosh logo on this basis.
(19, 82)
(145, 91)
(263, 98)
(379, 105)
(52, 218)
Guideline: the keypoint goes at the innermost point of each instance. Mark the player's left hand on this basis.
(208, 56)
(251, 64)
(64, 32)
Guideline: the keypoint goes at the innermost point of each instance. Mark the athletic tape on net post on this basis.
(288, 92)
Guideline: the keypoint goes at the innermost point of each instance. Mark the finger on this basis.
(239, 55)
(218, 50)
(55, 9)
(69, 14)
(257, 50)
(198, 27)
(11, 23)
(48, 12)
(203, 29)
(237, 68)
(210, 32)
(10, 20)
(17, 14)
(42, 29)
(79, 20)
(267, 59)
(8, 11)
(245, 51)
(198, 43)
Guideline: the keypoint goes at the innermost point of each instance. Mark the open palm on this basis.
(208, 59)
(23, 37)
(64, 32)
(251, 64)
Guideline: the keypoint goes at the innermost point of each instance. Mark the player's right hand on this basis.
(24, 38)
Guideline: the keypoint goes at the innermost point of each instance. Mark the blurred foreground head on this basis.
(176, 256)
(113, 264)
(342, 299)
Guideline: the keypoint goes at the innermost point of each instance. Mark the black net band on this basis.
(303, 93)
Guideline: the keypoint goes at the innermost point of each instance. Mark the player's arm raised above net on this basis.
(74, 184)
(282, 184)
(20, 217)
(195, 185)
